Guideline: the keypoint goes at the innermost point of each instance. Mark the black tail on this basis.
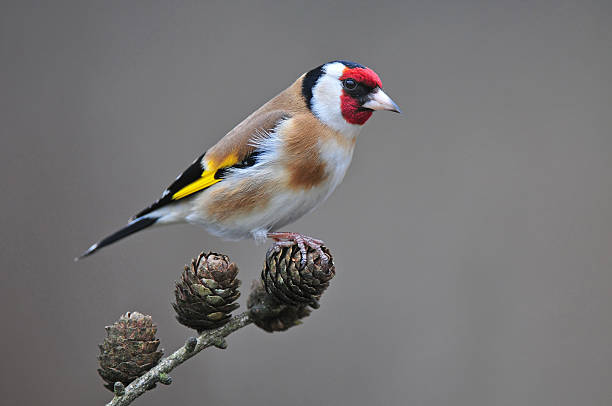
(133, 227)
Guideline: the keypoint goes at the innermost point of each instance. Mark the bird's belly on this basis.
(291, 206)
(246, 217)
(244, 208)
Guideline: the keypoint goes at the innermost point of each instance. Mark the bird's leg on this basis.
(284, 239)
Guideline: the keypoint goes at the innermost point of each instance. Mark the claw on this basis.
(288, 239)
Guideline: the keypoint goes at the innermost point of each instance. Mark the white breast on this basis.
(292, 205)
(337, 160)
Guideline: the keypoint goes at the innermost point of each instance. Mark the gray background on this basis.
(472, 234)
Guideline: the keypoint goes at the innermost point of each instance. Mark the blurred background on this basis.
(472, 234)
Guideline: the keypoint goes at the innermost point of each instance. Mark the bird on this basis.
(275, 166)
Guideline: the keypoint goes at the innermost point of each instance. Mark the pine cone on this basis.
(129, 349)
(289, 282)
(271, 315)
(207, 291)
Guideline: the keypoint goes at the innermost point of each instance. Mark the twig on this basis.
(160, 372)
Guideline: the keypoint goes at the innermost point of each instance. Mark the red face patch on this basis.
(352, 111)
(362, 75)
(349, 105)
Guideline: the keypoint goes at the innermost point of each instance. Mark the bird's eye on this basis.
(349, 84)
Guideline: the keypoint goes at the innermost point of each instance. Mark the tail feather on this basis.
(133, 227)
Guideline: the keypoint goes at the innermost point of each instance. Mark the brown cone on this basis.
(206, 294)
(285, 278)
(129, 349)
(270, 314)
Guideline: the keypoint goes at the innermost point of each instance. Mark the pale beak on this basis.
(378, 100)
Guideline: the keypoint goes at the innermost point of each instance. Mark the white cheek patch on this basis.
(326, 100)
(326, 103)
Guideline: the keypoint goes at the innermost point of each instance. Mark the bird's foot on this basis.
(284, 239)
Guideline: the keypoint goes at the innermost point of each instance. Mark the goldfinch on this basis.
(277, 165)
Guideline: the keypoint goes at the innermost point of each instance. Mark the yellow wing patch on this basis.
(207, 179)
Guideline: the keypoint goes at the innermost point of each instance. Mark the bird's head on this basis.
(344, 94)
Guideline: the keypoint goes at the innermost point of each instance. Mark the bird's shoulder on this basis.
(238, 143)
